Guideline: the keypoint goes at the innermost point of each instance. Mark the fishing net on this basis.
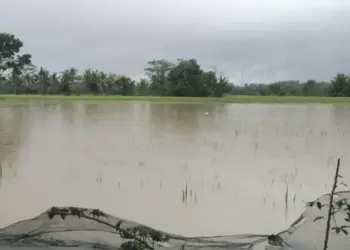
(81, 228)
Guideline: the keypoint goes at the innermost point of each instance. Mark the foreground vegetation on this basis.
(334, 207)
(183, 78)
(169, 99)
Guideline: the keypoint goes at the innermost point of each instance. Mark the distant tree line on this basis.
(162, 78)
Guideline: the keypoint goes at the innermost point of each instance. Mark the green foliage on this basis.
(137, 238)
(334, 207)
(340, 85)
(183, 78)
(9, 58)
(343, 206)
(285, 88)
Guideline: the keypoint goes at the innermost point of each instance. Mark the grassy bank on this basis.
(164, 99)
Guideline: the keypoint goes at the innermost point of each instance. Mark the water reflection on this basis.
(0, 175)
(187, 120)
(91, 109)
(13, 131)
(68, 112)
(182, 118)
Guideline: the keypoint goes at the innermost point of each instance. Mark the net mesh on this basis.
(82, 228)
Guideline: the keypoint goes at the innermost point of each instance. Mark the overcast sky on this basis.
(267, 39)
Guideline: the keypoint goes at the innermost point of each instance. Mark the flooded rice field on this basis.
(189, 169)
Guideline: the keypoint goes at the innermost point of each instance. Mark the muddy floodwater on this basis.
(190, 169)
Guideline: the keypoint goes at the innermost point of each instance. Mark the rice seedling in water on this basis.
(286, 195)
(294, 197)
(188, 194)
(286, 203)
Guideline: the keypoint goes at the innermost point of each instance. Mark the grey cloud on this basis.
(268, 40)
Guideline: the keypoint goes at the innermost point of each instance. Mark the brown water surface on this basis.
(136, 160)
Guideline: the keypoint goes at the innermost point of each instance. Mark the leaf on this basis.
(165, 238)
(128, 245)
(340, 176)
(125, 235)
(155, 235)
(337, 230)
(318, 218)
(64, 210)
(339, 203)
(118, 225)
(310, 204)
(342, 183)
(76, 211)
(319, 205)
(97, 213)
(50, 214)
(344, 231)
